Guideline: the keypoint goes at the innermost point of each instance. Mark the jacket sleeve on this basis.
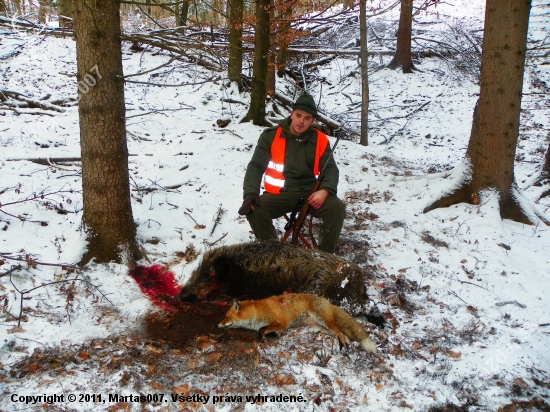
(331, 173)
(256, 168)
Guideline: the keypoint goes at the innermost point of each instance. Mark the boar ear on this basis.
(236, 306)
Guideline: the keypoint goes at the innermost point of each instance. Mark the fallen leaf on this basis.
(152, 349)
(156, 386)
(119, 406)
(284, 379)
(451, 354)
(213, 357)
(505, 246)
(16, 329)
(416, 345)
(521, 383)
(83, 355)
(182, 389)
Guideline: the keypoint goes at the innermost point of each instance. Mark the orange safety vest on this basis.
(274, 180)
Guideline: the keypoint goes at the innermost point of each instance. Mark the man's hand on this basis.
(248, 204)
(316, 199)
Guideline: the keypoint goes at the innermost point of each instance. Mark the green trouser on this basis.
(273, 206)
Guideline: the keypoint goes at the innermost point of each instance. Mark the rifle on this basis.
(296, 221)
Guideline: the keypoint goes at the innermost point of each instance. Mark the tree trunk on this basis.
(65, 11)
(235, 66)
(364, 141)
(105, 180)
(256, 112)
(3, 7)
(42, 11)
(546, 166)
(403, 55)
(182, 9)
(493, 140)
(17, 7)
(284, 37)
(273, 43)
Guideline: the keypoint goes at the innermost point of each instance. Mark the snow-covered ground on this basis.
(465, 293)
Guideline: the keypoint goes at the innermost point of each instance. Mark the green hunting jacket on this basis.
(299, 159)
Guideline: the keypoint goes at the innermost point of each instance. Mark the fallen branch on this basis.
(22, 293)
(13, 269)
(32, 263)
(330, 123)
(230, 131)
(409, 117)
(20, 112)
(216, 241)
(511, 302)
(197, 225)
(221, 211)
(470, 283)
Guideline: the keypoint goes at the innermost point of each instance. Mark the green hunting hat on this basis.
(306, 103)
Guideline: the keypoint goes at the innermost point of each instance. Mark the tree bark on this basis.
(495, 129)
(256, 112)
(403, 55)
(546, 166)
(284, 37)
(182, 9)
(347, 4)
(364, 140)
(42, 11)
(105, 179)
(16, 8)
(235, 66)
(273, 43)
(65, 11)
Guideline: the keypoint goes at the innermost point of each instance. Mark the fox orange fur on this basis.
(278, 313)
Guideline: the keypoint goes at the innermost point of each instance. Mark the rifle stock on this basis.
(294, 226)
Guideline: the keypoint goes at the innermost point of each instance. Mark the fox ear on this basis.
(236, 306)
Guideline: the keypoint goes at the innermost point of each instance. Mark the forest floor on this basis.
(464, 293)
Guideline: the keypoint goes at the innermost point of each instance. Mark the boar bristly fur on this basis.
(261, 269)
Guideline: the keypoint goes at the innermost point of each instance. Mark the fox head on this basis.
(231, 316)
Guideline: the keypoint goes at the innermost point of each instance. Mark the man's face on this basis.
(301, 122)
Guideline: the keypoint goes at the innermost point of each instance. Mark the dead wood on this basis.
(12, 100)
(327, 121)
(46, 161)
(409, 116)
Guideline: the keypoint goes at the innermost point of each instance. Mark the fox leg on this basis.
(271, 328)
(330, 324)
